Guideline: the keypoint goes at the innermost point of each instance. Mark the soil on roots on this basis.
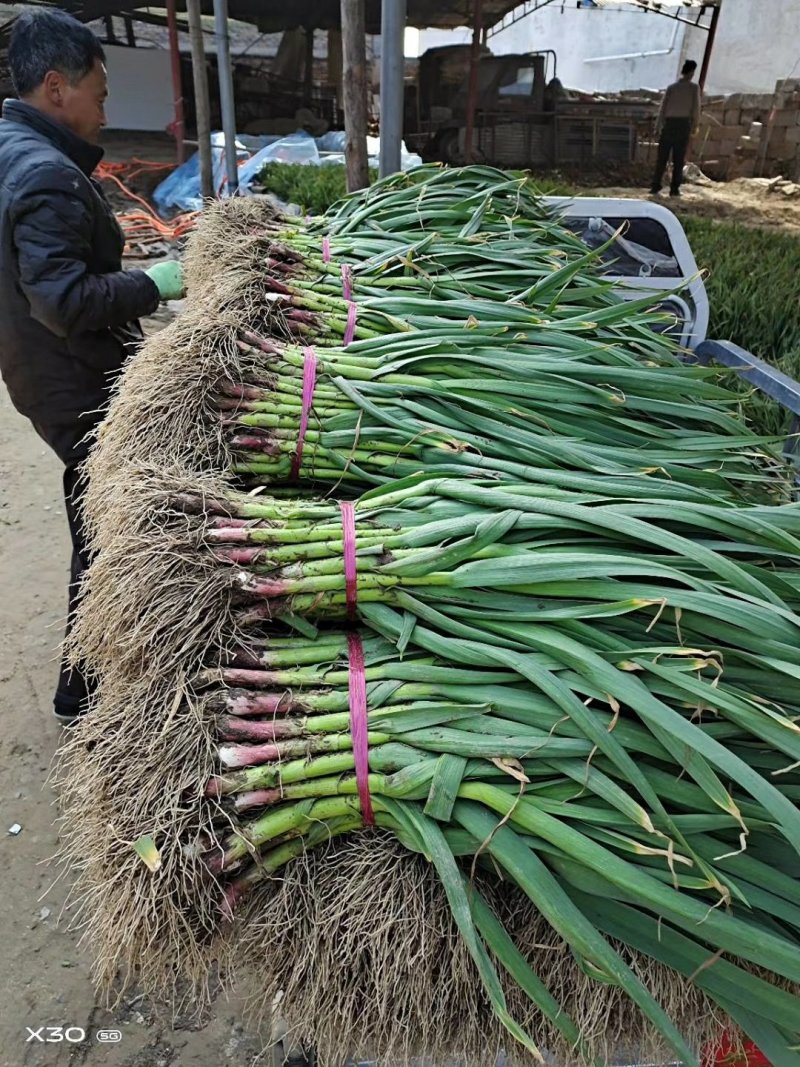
(359, 939)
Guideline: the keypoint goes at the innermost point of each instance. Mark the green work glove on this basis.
(168, 277)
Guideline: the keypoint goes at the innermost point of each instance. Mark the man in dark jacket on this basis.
(68, 312)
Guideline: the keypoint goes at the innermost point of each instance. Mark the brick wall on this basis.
(751, 134)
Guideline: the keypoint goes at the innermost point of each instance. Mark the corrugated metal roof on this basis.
(691, 11)
(274, 15)
(441, 14)
(670, 6)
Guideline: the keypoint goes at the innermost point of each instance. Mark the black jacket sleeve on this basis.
(52, 227)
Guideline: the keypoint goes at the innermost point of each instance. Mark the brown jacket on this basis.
(681, 101)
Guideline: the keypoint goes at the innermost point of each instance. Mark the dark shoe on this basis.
(67, 718)
(68, 709)
(655, 192)
(674, 192)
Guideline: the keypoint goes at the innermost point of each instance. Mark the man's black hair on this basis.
(689, 67)
(50, 40)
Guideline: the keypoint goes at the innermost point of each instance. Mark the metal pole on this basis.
(178, 125)
(201, 101)
(712, 33)
(472, 92)
(354, 91)
(225, 74)
(393, 68)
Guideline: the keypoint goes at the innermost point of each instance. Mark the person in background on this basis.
(68, 312)
(677, 123)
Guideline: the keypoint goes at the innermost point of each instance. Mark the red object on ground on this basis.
(728, 1055)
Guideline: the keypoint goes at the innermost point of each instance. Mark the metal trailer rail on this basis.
(766, 379)
(652, 252)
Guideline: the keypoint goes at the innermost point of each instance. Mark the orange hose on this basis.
(131, 195)
(144, 225)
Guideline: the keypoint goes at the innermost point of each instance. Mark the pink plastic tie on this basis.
(347, 282)
(309, 382)
(326, 250)
(349, 550)
(359, 725)
(350, 329)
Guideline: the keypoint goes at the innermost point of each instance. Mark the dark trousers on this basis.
(673, 142)
(72, 689)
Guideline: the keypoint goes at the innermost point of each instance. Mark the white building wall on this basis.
(758, 42)
(140, 88)
(583, 37)
(435, 38)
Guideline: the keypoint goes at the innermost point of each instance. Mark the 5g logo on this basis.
(54, 1034)
(108, 1035)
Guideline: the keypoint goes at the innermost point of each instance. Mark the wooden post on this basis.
(202, 106)
(335, 63)
(289, 57)
(472, 91)
(308, 66)
(178, 126)
(354, 51)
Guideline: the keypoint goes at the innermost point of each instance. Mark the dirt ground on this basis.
(742, 201)
(745, 200)
(44, 979)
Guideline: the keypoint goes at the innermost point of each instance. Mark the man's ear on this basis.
(53, 85)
